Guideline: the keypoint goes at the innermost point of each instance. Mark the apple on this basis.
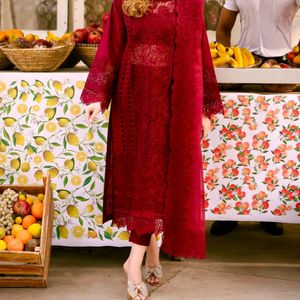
(21, 42)
(291, 56)
(284, 66)
(105, 18)
(22, 208)
(90, 28)
(271, 61)
(276, 67)
(40, 43)
(94, 37)
(79, 35)
(100, 28)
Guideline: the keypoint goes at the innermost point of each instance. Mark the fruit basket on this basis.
(30, 268)
(237, 86)
(293, 65)
(72, 60)
(86, 52)
(279, 88)
(38, 60)
(5, 63)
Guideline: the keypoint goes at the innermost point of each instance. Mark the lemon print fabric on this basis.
(43, 131)
(2, 86)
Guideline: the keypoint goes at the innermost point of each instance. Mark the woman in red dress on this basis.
(154, 63)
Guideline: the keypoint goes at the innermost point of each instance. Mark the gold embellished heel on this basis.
(137, 291)
(153, 275)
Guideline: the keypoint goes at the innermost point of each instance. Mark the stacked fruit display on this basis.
(235, 57)
(15, 38)
(9, 35)
(274, 64)
(294, 56)
(92, 33)
(20, 220)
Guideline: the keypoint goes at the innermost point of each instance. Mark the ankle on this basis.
(152, 262)
(134, 273)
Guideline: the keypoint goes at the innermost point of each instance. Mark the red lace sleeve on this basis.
(100, 82)
(212, 103)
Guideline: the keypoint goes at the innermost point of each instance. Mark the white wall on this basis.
(296, 29)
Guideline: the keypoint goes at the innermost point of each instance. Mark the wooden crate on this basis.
(28, 268)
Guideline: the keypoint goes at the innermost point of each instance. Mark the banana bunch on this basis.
(51, 37)
(232, 56)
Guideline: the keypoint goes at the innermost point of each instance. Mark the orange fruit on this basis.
(297, 60)
(37, 210)
(8, 238)
(15, 245)
(15, 229)
(28, 220)
(24, 236)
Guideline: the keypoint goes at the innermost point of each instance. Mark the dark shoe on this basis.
(272, 228)
(222, 227)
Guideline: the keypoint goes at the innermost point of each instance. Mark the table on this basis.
(251, 157)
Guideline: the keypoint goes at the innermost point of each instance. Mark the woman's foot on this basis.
(153, 275)
(137, 291)
(153, 270)
(136, 288)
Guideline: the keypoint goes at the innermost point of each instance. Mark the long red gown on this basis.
(158, 72)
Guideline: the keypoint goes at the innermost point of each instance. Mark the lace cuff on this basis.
(99, 86)
(89, 97)
(212, 103)
(103, 74)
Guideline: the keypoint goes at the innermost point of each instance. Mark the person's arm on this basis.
(225, 25)
(102, 76)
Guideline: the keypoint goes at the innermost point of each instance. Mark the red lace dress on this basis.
(151, 182)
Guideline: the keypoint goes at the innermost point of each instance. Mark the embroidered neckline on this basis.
(168, 6)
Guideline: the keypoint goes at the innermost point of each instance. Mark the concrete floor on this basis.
(246, 264)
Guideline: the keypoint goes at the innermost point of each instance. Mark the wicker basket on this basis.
(5, 63)
(279, 88)
(237, 86)
(71, 61)
(293, 65)
(86, 52)
(38, 60)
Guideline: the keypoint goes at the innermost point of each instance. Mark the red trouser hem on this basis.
(142, 239)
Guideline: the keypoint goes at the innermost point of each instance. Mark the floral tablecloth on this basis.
(251, 157)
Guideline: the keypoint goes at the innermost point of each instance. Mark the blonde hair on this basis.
(135, 8)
